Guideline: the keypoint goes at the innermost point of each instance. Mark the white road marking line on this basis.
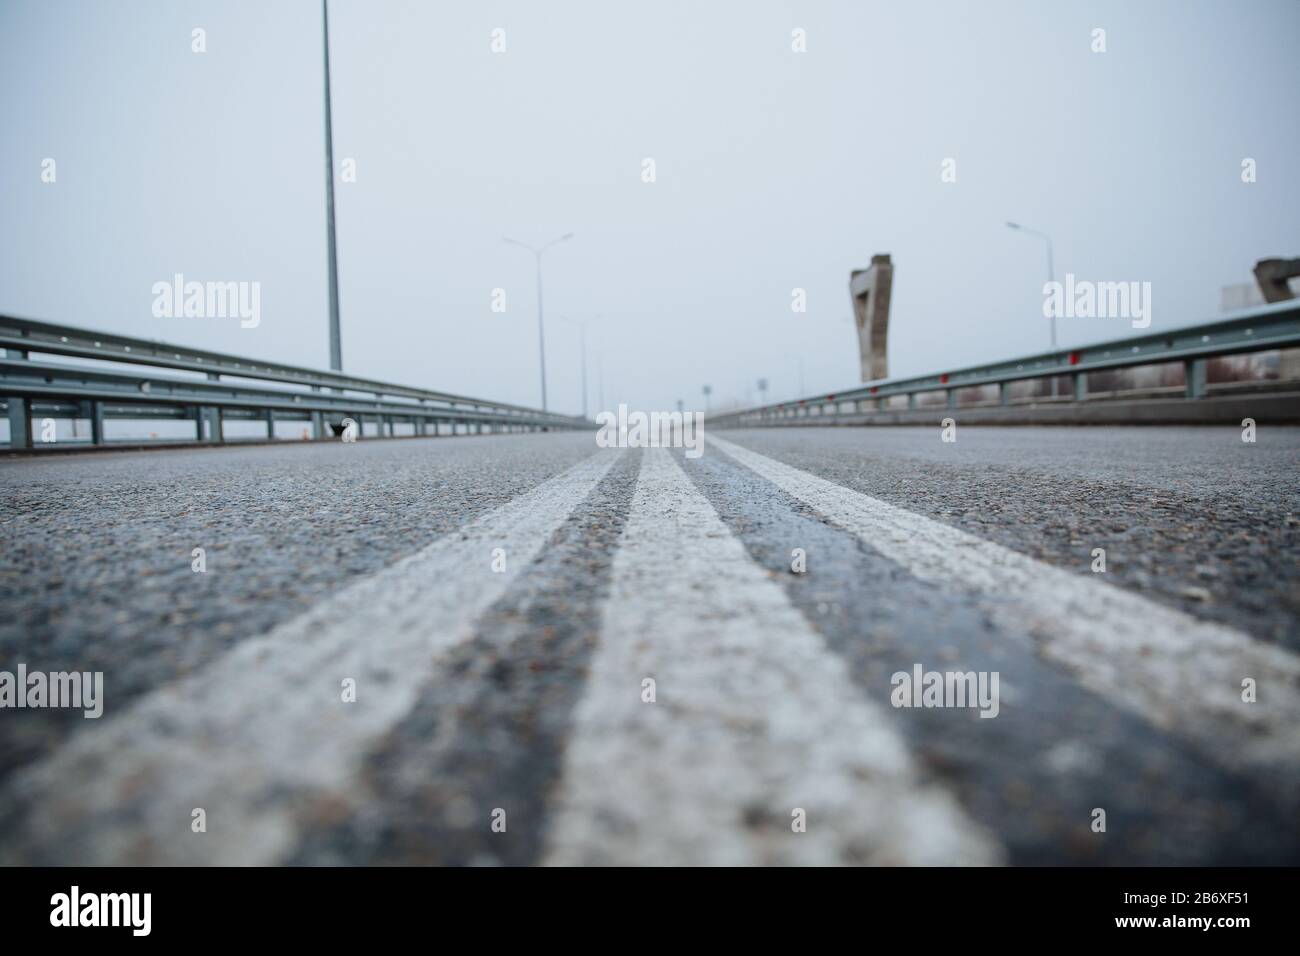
(266, 721)
(1176, 671)
(754, 717)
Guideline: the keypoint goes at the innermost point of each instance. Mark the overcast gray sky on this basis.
(775, 170)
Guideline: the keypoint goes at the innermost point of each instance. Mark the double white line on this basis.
(754, 717)
(1180, 673)
(259, 733)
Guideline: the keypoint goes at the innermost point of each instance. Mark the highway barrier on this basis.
(56, 372)
(1209, 372)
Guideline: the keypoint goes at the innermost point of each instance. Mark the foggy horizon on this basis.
(775, 170)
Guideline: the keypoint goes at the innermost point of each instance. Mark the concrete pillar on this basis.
(870, 291)
(1272, 276)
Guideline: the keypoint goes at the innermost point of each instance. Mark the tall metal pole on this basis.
(1051, 267)
(582, 339)
(541, 330)
(336, 341)
(1051, 277)
(541, 334)
(582, 348)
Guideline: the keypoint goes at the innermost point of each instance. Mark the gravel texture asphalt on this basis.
(1193, 517)
(95, 572)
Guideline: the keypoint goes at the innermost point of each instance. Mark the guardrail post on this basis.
(20, 422)
(212, 415)
(952, 397)
(1004, 393)
(317, 421)
(270, 424)
(95, 412)
(20, 412)
(1080, 382)
(1194, 372)
(911, 401)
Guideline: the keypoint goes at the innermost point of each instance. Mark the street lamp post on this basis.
(582, 346)
(1051, 269)
(541, 331)
(708, 390)
(336, 339)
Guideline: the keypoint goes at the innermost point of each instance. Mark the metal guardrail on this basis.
(1274, 326)
(265, 391)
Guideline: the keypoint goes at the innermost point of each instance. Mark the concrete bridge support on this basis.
(870, 290)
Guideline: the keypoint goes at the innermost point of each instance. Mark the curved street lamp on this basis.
(1051, 271)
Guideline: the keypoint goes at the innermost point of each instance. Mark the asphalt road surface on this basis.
(524, 649)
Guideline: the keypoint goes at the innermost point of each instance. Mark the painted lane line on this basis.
(264, 730)
(1180, 673)
(754, 717)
